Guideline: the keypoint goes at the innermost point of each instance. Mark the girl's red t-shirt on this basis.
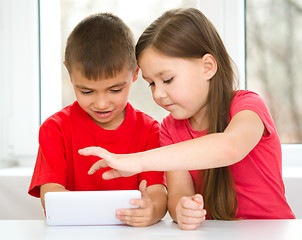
(258, 176)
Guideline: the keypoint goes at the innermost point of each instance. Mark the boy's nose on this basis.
(101, 102)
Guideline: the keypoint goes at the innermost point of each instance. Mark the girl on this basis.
(226, 152)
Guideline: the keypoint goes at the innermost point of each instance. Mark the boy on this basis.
(101, 62)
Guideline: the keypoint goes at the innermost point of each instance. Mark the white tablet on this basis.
(87, 207)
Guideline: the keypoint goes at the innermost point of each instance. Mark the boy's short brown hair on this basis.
(101, 46)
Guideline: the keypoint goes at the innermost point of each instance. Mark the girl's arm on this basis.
(185, 207)
(180, 184)
(214, 150)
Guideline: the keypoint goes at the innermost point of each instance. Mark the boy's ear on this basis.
(135, 76)
(67, 70)
(209, 65)
(65, 64)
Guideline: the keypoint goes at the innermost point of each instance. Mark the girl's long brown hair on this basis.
(187, 33)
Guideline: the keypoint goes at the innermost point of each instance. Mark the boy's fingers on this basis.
(141, 203)
(130, 213)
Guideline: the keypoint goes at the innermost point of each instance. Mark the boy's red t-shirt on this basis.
(67, 131)
(258, 176)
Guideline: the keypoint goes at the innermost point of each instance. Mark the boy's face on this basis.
(105, 99)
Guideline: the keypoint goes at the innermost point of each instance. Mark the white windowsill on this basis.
(288, 172)
(16, 171)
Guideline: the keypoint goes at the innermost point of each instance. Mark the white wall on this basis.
(15, 202)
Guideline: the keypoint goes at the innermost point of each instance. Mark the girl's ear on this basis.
(135, 76)
(209, 66)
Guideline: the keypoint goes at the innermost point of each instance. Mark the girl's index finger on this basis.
(94, 151)
(98, 165)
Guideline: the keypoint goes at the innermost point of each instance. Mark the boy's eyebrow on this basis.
(113, 86)
(82, 87)
(118, 85)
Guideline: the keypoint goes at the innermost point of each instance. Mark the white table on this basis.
(166, 229)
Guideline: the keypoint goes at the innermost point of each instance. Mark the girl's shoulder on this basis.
(247, 99)
(245, 94)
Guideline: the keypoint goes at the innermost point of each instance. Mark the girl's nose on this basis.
(159, 93)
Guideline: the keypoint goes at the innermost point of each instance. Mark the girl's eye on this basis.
(151, 84)
(168, 81)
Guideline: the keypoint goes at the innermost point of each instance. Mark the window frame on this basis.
(20, 79)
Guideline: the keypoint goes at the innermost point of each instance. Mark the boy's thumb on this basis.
(143, 188)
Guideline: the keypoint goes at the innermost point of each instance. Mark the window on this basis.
(58, 18)
(273, 60)
(19, 80)
(36, 84)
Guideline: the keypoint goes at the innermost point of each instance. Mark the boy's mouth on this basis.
(105, 114)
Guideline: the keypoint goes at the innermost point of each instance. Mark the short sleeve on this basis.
(247, 100)
(50, 163)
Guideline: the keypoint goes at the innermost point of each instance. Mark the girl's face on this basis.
(178, 85)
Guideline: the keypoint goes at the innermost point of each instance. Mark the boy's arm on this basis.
(50, 187)
(152, 206)
(158, 195)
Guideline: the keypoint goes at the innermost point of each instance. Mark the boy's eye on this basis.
(86, 92)
(116, 90)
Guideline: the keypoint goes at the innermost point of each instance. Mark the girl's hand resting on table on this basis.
(141, 216)
(190, 212)
(123, 165)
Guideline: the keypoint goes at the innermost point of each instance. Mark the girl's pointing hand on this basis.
(122, 165)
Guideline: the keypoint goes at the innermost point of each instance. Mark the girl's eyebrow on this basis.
(158, 74)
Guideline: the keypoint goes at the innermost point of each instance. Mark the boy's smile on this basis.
(104, 99)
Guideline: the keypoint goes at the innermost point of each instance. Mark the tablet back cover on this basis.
(87, 207)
